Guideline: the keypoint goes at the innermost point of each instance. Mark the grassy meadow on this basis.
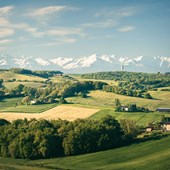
(11, 85)
(7, 75)
(150, 155)
(107, 99)
(9, 105)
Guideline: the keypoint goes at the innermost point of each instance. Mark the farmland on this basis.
(49, 112)
(150, 155)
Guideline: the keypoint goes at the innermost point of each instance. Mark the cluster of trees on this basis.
(127, 91)
(52, 92)
(35, 139)
(130, 108)
(133, 80)
(40, 73)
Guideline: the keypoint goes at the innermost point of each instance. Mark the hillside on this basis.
(151, 155)
(7, 75)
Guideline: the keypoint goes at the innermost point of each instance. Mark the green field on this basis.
(8, 105)
(150, 155)
(141, 118)
(107, 99)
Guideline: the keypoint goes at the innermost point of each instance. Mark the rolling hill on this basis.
(150, 155)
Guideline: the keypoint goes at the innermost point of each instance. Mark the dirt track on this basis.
(63, 112)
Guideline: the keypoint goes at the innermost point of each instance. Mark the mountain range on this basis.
(91, 63)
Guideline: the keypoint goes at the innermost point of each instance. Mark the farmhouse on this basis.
(124, 108)
(149, 129)
(163, 110)
(165, 126)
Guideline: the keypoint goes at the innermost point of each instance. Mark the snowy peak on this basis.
(88, 63)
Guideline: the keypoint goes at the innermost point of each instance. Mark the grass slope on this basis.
(151, 155)
(7, 75)
(11, 85)
(103, 99)
(8, 105)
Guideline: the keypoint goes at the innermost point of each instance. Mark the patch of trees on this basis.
(52, 93)
(130, 108)
(33, 139)
(127, 91)
(133, 80)
(40, 73)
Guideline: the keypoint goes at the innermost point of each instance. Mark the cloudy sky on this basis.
(61, 28)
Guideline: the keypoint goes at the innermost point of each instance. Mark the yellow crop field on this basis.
(60, 112)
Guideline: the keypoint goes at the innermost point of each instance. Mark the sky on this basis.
(73, 28)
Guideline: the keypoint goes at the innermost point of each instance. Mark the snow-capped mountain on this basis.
(92, 63)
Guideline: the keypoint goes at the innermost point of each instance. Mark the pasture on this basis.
(106, 99)
(141, 118)
(150, 155)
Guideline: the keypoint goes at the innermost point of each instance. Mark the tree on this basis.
(117, 105)
(132, 108)
(62, 100)
(1, 81)
(26, 100)
(147, 96)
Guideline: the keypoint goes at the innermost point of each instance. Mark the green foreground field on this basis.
(150, 155)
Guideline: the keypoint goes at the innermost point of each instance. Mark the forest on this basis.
(34, 139)
(131, 83)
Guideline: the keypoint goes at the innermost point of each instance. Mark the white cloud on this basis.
(126, 29)
(5, 41)
(126, 12)
(117, 12)
(105, 24)
(5, 32)
(61, 61)
(6, 10)
(64, 31)
(46, 11)
(4, 22)
(49, 10)
(42, 62)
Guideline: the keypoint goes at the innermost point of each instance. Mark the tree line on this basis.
(34, 139)
(133, 80)
(52, 91)
(40, 73)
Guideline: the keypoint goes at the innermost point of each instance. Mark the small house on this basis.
(163, 110)
(125, 108)
(165, 126)
(33, 102)
(149, 129)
